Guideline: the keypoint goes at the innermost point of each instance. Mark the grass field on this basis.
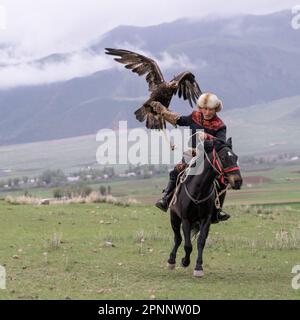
(101, 251)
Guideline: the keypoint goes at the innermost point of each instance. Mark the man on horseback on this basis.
(204, 118)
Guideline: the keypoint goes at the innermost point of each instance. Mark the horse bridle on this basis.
(218, 167)
(217, 164)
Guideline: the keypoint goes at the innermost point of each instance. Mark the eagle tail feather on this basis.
(153, 122)
(140, 114)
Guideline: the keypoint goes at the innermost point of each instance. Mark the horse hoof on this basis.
(198, 273)
(171, 266)
(184, 264)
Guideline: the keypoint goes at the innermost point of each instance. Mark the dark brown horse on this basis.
(195, 201)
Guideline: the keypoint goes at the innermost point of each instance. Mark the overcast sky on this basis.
(41, 27)
(44, 26)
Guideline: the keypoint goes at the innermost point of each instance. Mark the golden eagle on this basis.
(162, 91)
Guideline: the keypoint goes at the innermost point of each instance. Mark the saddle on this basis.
(186, 158)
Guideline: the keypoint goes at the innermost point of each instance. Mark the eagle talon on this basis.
(157, 107)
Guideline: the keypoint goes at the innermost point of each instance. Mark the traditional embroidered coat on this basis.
(214, 128)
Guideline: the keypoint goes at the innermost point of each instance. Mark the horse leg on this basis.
(175, 223)
(186, 227)
(204, 230)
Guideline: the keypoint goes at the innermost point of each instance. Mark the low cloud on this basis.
(73, 65)
(76, 65)
(165, 60)
(169, 61)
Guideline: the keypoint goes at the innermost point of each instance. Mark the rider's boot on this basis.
(163, 203)
(218, 216)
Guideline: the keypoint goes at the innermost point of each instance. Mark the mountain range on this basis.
(246, 60)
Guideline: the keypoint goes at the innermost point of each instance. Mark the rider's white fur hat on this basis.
(209, 100)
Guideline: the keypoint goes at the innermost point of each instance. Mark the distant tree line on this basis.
(79, 190)
(56, 177)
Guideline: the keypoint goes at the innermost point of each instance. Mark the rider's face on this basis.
(208, 113)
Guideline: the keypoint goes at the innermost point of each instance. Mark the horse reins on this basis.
(216, 164)
(200, 200)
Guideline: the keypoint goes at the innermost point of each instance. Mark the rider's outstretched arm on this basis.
(185, 121)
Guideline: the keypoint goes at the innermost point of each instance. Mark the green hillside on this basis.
(266, 128)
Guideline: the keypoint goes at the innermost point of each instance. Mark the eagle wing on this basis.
(188, 87)
(139, 64)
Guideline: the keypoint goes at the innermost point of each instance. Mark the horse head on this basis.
(226, 163)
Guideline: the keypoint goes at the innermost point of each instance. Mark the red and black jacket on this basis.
(214, 128)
